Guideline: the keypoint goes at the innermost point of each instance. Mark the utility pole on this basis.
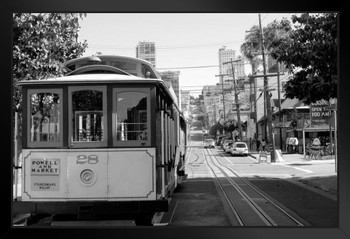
(279, 102)
(256, 111)
(267, 95)
(236, 98)
(223, 93)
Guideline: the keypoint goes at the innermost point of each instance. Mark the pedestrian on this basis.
(288, 144)
(316, 149)
(292, 143)
(258, 145)
(263, 144)
(295, 144)
(316, 142)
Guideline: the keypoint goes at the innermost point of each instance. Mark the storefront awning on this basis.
(317, 128)
(313, 128)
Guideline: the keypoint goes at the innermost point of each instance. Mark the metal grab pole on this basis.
(335, 140)
(304, 148)
(16, 157)
(162, 151)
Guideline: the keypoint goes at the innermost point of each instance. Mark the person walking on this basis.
(257, 145)
(263, 144)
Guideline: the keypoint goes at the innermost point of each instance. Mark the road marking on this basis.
(301, 169)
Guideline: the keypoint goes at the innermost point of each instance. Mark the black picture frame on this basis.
(8, 7)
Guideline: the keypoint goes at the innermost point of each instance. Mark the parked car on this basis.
(239, 148)
(219, 140)
(228, 147)
(225, 143)
(209, 143)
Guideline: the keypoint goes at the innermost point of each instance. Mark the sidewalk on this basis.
(325, 181)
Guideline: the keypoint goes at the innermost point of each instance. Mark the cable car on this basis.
(105, 140)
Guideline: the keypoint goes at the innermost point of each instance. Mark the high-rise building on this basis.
(172, 78)
(147, 51)
(225, 55)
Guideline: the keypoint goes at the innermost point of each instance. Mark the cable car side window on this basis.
(45, 117)
(131, 117)
(87, 114)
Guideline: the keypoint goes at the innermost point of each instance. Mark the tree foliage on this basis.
(41, 43)
(273, 33)
(308, 48)
(310, 52)
(251, 46)
(213, 129)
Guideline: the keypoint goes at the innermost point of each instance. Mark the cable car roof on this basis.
(90, 79)
(97, 70)
(128, 64)
(90, 59)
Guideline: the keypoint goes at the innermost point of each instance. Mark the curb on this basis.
(251, 155)
(310, 183)
(318, 186)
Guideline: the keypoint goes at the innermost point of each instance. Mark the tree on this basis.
(273, 33)
(41, 43)
(250, 47)
(213, 129)
(310, 53)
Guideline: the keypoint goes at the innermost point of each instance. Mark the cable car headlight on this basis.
(88, 177)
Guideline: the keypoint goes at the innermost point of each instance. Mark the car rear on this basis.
(209, 143)
(239, 148)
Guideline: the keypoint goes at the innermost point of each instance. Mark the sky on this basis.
(185, 42)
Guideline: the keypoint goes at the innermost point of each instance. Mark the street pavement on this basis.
(196, 202)
(325, 178)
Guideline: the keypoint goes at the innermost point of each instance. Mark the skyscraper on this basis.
(147, 51)
(225, 55)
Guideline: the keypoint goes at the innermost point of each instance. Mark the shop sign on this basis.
(319, 112)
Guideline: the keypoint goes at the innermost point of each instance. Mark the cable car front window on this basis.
(87, 115)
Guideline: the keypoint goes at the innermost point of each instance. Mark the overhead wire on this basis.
(169, 47)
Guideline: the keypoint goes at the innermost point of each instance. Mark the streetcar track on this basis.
(250, 200)
(231, 205)
(263, 216)
(262, 194)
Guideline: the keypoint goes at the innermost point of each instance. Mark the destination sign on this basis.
(44, 166)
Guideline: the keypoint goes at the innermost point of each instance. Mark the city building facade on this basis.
(171, 78)
(185, 99)
(147, 51)
(225, 70)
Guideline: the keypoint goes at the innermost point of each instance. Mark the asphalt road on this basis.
(197, 201)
